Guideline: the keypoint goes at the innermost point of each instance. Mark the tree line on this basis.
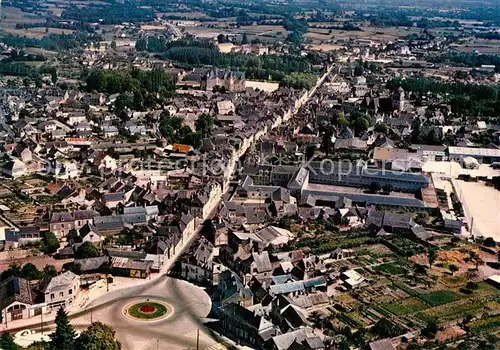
(109, 13)
(79, 26)
(468, 59)
(154, 81)
(53, 42)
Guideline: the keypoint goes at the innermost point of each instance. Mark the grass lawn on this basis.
(391, 268)
(439, 297)
(135, 310)
(405, 306)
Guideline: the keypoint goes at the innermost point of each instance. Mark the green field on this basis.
(452, 311)
(405, 306)
(392, 268)
(439, 297)
(485, 325)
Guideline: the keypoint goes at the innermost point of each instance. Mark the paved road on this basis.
(177, 31)
(191, 304)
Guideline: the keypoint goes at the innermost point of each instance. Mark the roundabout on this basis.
(149, 310)
(164, 313)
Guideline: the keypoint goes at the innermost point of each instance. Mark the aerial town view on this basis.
(249, 174)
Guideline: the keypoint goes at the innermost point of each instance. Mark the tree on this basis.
(86, 250)
(387, 188)
(31, 273)
(72, 234)
(7, 343)
(310, 150)
(141, 45)
(374, 187)
(360, 123)
(13, 270)
(113, 44)
(38, 82)
(38, 345)
(380, 127)
(341, 120)
(26, 82)
(430, 329)
(431, 256)
(50, 243)
(205, 124)
(64, 336)
(221, 39)
(53, 76)
(244, 39)
(97, 336)
(49, 271)
(489, 242)
(453, 268)
(169, 126)
(386, 329)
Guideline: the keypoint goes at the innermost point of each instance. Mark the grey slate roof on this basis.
(15, 289)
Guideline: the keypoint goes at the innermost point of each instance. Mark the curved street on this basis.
(179, 331)
(190, 303)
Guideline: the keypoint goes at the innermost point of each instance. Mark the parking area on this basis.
(481, 206)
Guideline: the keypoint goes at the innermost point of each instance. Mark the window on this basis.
(70, 292)
(61, 294)
(52, 296)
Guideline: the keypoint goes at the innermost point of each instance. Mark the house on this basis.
(225, 107)
(150, 212)
(48, 126)
(110, 131)
(383, 344)
(180, 148)
(26, 155)
(62, 290)
(111, 200)
(14, 168)
(275, 236)
(199, 265)
(29, 235)
(303, 338)
(246, 326)
(17, 300)
(352, 279)
(75, 118)
(61, 223)
(130, 267)
(232, 290)
(136, 130)
(89, 233)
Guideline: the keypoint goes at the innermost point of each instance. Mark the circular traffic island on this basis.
(148, 310)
